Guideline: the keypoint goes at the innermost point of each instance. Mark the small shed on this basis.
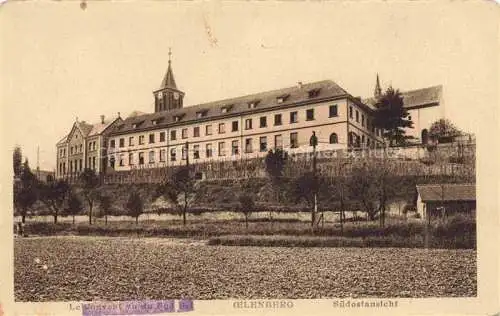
(439, 200)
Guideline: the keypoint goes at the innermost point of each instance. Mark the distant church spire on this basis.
(378, 91)
(168, 97)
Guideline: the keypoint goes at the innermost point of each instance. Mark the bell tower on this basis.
(168, 97)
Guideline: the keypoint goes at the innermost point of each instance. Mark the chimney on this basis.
(102, 119)
(300, 84)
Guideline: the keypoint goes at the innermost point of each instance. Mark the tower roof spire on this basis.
(168, 80)
(377, 93)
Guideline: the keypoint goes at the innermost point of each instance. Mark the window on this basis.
(93, 163)
(201, 114)
(81, 164)
(263, 144)
(334, 139)
(162, 155)
(208, 130)
(184, 153)
(350, 111)
(294, 140)
(263, 121)
(151, 138)
(226, 108)
(222, 128)
(90, 162)
(184, 133)
(248, 123)
(248, 145)
(253, 104)
(362, 139)
(208, 150)
(122, 142)
(151, 156)
(196, 151)
(131, 141)
(277, 119)
(333, 110)
(357, 116)
(222, 149)
(173, 135)
(111, 145)
(131, 159)
(294, 117)
(282, 98)
(177, 118)
(196, 131)
(93, 145)
(278, 142)
(71, 166)
(141, 158)
(234, 147)
(141, 140)
(162, 136)
(234, 126)
(173, 154)
(313, 93)
(362, 120)
(310, 114)
(81, 148)
(90, 146)
(122, 160)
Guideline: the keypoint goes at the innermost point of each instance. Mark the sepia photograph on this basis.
(165, 153)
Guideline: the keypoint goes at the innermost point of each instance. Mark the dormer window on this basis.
(178, 118)
(226, 108)
(282, 98)
(201, 114)
(253, 104)
(137, 124)
(121, 126)
(157, 121)
(313, 92)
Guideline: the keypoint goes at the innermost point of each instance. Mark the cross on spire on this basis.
(169, 54)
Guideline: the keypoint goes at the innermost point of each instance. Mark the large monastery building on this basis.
(237, 128)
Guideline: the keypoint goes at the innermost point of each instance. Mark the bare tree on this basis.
(180, 189)
(90, 188)
(135, 206)
(53, 194)
(247, 206)
(74, 207)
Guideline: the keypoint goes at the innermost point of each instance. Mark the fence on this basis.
(453, 159)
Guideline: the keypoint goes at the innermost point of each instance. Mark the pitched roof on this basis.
(63, 140)
(447, 192)
(425, 97)
(269, 99)
(100, 127)
(169, 80)
(84, 127)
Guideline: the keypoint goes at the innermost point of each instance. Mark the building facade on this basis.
(85, 146)
(238, 128)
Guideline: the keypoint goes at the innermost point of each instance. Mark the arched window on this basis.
(334, 138)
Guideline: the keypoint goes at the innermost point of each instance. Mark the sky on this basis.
(59, 62)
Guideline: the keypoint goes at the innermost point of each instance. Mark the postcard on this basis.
(258, 157)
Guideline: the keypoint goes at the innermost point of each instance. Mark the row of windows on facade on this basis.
(263, 147)
(77, 149)
(77, 165)
(221, 128)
